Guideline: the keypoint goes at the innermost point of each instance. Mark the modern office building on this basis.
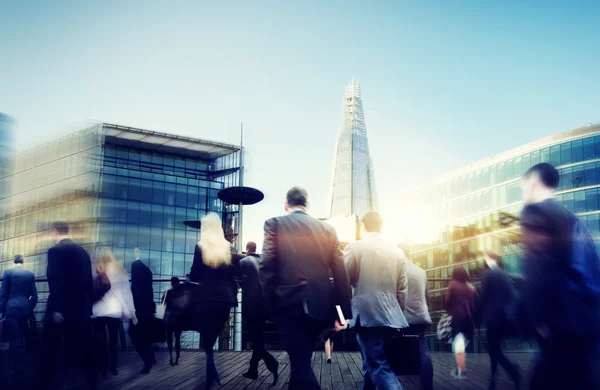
(476, 207)
(353, 180)
(6, 150)
(122, 188)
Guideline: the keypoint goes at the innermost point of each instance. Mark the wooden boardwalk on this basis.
(343, 373)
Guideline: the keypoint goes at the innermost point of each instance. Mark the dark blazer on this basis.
(497, 304)
(18, 294)
(216, 285)
(298, 254)
(252, 299)
(69, 281)
(141, 289)
(460, 304)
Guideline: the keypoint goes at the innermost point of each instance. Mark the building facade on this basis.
(476, 208)
(353, 179)
(121, 188)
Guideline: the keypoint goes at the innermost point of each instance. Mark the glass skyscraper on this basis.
(121, 188)
(353, 180)
(477, 207)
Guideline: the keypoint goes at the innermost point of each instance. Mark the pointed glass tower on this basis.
(353, 180)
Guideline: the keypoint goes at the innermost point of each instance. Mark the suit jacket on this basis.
(252, 299)
(69, 281)
(417, 310)
(377, 271)
(299, 252)
(141, 289)
(216, 285)
(497, 299)
(18, 294)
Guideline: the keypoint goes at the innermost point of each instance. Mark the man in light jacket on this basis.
(377, 271)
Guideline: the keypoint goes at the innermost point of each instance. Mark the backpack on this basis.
(101, 286)
(444, 328)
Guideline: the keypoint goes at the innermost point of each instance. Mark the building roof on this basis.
(166, 143)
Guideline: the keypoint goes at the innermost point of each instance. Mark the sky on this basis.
(443, 83)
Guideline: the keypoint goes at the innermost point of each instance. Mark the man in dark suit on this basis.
(253, 312)
(299, 252)
(145, 307)
(69, 308)
(562, 294)
(498, 311)
(18, 297)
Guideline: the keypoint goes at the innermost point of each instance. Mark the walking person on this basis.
(68, 310)
(562, 295)
(377, 271)
(145, 307)
(498, 308)
(460, 305)
(327, 336)
(172, 323)
(216, 269)
(253, 312)
(112, 307)
(417, 316)
(299, 252)
(18, 297)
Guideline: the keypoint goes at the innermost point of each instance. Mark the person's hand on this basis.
(339, 327)
(58, 317)
(134, 320)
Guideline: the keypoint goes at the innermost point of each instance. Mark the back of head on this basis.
(251, 247)
(460, 275)
(546, 173)
(105, 259)
(60, 227)
(174, 281)
(18, 259)
(372, 221)
(297, 197)
(216, 250)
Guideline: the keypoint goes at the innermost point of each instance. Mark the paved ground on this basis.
(344, 373)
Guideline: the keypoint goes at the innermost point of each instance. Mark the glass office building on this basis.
(477, 207)
(122, 188)
(353, 179)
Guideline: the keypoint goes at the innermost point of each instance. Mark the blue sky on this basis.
(444, 83)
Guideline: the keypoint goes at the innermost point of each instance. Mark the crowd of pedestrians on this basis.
(312, 289)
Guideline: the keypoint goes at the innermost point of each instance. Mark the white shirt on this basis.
(118, 301)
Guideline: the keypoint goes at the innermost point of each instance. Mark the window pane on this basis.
(566, 179)
(593, 222)
(145, 214)
(590, 174)
(565, 153)
(545, 155)
(509, 169)
(578, 180)
(580, 201)
(501, 175)
(517, 167)
(167, 240)
(569, 201)
(179, 241)
(588, 148)
(591, 200)
(535, 158)
(477, 181)
(469, 182)
(493, 175)
(555, 155)
(526, 163)
(577, 151)
(156, 239)
(597, 146)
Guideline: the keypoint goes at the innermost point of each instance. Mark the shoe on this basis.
(146, 369)
(454, 373)
(114, 372)
(329, 361)
(252, 375)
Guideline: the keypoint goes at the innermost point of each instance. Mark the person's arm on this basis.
(352, 265)
(56, 281)
(125, 297)
(340, 277)
(4, 293)
(483, 299)
(195, 272)
(268, 267)
(402, 283)
(449, 298)
(427, 293)
(33, 299)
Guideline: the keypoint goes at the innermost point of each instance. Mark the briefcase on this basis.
(402, 353)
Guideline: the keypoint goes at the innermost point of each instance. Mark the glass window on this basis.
(470, 182)
(593, 222)
(179, 241)
(156, 239)
(191, 238)
(509, 169)
(501, 173)
(597, 146)
(170, 190)
(526, 162)
(167, 238)
(169, 217)
(580, 202)
(145, 214)
(486, 200)
(119, 233)
(144, 237)
(157, 215)
(577, 150)
(181, 197)
(131, 240)
(463, 185)
(134, 189)
(566, 179)
(555, 155)
(545, 155)
(166, 267)
(588, 148)
(589, 171)
(133, 212)
(180, 217)
(591, 200)
(518, 167)
(493, 174)
(155, 260)
(578, 179)
(565, 153)
(477, 181)
(179, 264)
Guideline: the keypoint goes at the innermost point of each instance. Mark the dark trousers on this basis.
(567, 363)
(299, 334)
(79, 351)
(17, 330)
(495, 334)
(210, 320)
(255, 326)
(102, 325)
(141, 338)
(425, 359)
(377, 373)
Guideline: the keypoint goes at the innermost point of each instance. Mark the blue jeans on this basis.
(425, 360)
(376, 370)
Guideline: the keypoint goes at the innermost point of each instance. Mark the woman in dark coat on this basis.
(216, 269)
(460, 304)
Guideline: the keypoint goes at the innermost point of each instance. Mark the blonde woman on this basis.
(216, 269)
(114, 303)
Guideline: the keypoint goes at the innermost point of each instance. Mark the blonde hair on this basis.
(104, 259)
(216, 250)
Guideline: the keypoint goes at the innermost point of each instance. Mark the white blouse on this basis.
(118, 301)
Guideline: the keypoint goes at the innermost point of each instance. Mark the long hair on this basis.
(104, 259)
(216, 250)
(460, 275)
